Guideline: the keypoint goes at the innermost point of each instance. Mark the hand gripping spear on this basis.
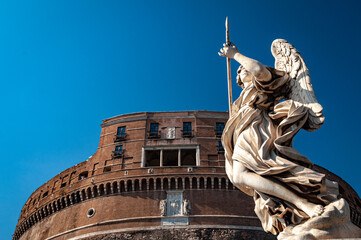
(229, 71)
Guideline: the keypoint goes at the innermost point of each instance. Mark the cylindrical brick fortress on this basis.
(155, 174)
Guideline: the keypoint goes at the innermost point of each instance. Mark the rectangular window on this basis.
(170, 157)
(107, 168)
(83, 175)
(118, 152)
(187, 129)
(152, 158)
(119, 149)
(154, 130)
(154, 127)
(219, 129)
(121, 131)
(64, 180)
(188, 157)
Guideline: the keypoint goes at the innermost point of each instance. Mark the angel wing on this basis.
(288, 59)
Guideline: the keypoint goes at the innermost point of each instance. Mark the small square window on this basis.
(118, 152)
(119, 149)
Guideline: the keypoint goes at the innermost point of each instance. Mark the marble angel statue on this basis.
(274, 105)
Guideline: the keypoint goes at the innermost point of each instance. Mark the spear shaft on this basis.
(229, 71)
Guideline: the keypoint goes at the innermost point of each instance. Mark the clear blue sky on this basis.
(66, 65)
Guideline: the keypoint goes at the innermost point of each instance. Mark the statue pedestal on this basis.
(334, 223)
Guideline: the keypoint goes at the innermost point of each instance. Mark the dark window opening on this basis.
(63, 184)
(165, 184)
(151, 184)
(216, 183)
(144, 185)
(121, 131)
(83, 175)
(187, 184)
(180, 183)
(187, 129)
(158, 184)
(154, 130)
(220, 147)
(136, 185)
(152, 158)
(201, 183)
(219, 129)
(209, 183)
(170, 157)
(172, 184)
(129, 186)
(188, 157)
(194, 183)
(45, 194)
(122, 186)
(107, 168)
(94, 168)
(121, 135)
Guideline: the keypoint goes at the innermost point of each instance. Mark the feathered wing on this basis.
(288, 59)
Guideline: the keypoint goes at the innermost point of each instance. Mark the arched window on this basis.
(223, 183)
(151, 184)
(143, 185)
(165, 184)
(115, 187)
(108, 189)
(158, 184)
(216, 183)
(122, 186)
(129, 186)
(209, 183)
(136, 185)
(201, 183)
(101, 190)
(194, 183)
(172, 184)
(89, 193)
(95, 191)
(187, 183)
(180, 183)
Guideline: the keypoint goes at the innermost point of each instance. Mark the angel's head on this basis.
(243, 76)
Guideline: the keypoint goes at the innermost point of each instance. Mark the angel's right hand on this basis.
(228, 51)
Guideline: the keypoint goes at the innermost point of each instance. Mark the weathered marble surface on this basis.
(334, 223)
(260, 159)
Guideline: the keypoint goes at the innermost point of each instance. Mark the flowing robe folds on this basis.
(259, 135)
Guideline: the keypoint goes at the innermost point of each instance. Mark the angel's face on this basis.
(245, 76)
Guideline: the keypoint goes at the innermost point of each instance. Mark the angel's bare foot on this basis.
(311, 209)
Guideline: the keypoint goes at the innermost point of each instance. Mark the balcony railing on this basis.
(187, 134)
(119, 138)
(118, 154)
(153, 134)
